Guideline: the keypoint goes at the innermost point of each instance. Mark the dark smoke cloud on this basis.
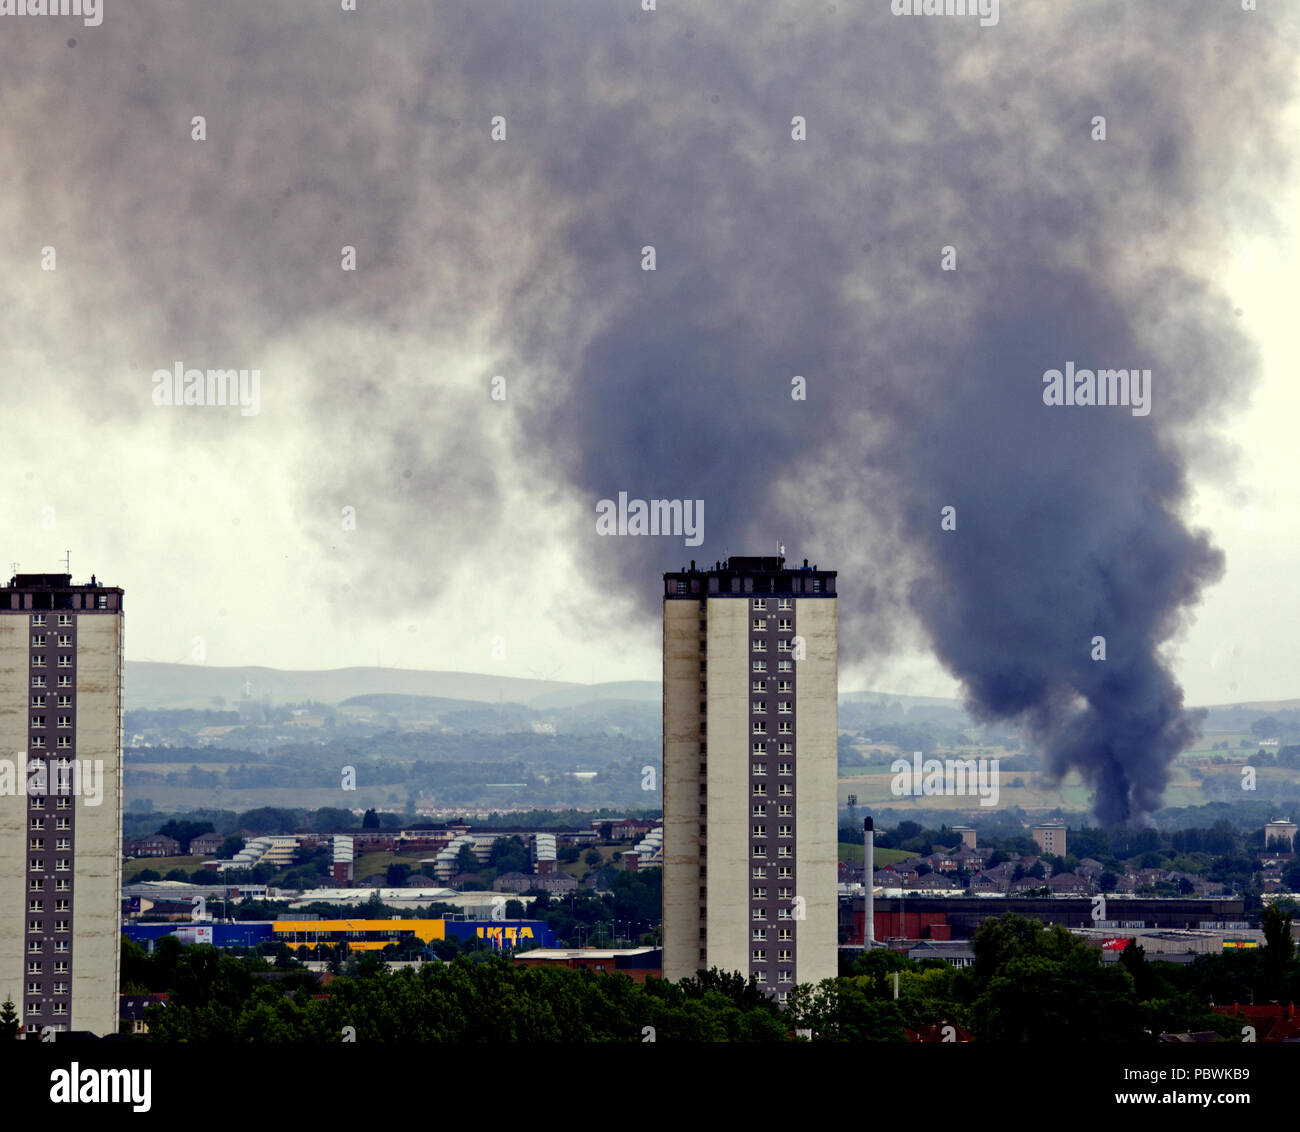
(775, 258)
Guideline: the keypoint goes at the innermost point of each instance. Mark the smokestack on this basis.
(868, 882)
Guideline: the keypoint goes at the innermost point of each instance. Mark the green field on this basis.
(850, 852)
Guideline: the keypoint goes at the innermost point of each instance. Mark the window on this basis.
(759, 687)
(757, 770)
(759, 603)
(65, 741)
(785, 790)
(65, 618)
(758, 666)
(759, 645)
(760, 831)
(62, 1007)
(781, 666)
(62, 885)
(761, 977)
(33, 1008)
(37, 845)
(782, 646)
(33, 988)
(758, 873)
(66, 661)
(785, 727)
(758, 914)
(786, 831)
(783, 956)
(60, 988)
(35, 884)
(760, 788)
(784, 708)
(758, 625)
(784, 977)
(34, 968)
(64, 701)
(817, 585)
(760, 728)
(38, 701)
(60, 925)
(63, 865)
(786, 893)
(66, 681)
(759, 749)
(786, 768)
(38, 619)
(38, 681)
(60, 945)
(34, 926)
(62, 823)
(758, 956)
(61, 967)
(782, 686)
(63, 804)
(36, 865)
(38, 640)
(760, 811)
(758, 707)
(38, 721)
(38, 662)
(785, 872)
(785, 624)
(759, 935)
(64, 843)
(65, 640)
(36, 823)
(61, 906)
(35, 947)
(38, 740)
(783, 935)
(65, 721)
(783, 913)
(782, 812)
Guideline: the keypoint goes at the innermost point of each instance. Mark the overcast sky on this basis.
(1172, 244)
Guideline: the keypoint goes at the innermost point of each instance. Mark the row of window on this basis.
(64, 640)
(38, 619)
(64, 661)
(38, 681)
(761, 665)
(783, 955)
(38, 701)
(58, 1007)
(759, 770)
(58, 988)
(784, 831)
(785, 872)
(38, 803)
(783, 686)
(59, 906)
(760, 811)
(783, 935)
(781, 749)
(783, 707)
(759, 625)
(760, 645)
(785, 727)
(36, 884)
(783, 851)
(759, 914)
(783, 977)
(37, 844)
(37, 865)
(759, 892)
(36, 967)
(64, 720)
(36, 927)
(60, 823)
(64, 743)
(785, 790)
(781, 603)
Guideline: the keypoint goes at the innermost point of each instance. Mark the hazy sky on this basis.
(1172, 244)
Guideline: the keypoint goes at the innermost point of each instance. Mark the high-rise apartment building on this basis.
(750, 728)
(60, 801)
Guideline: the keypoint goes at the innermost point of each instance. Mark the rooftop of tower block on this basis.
(740, 576)
(57, 591)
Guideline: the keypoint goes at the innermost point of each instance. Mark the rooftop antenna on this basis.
(67, 562)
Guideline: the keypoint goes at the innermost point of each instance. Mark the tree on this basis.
(9, 1024)
(466, 861)
(370, 821)
(396, 874)
(1107, 881)
(232, 845)
(1279, 947)
(592, 857)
